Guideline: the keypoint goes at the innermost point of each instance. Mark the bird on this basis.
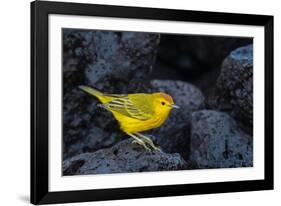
(137, 112)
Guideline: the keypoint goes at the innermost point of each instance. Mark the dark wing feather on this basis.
(135, 106)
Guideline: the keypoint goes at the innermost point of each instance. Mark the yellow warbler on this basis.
(136, 112)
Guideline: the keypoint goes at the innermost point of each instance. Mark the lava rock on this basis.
(112, 61)
(234, 88)
(85, 127)
(217, 141)
(94, 139)
(173, 135)
(122, 157)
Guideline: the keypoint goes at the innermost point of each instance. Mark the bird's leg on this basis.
(139, 141)
(149, 141)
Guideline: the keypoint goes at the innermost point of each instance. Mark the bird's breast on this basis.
(135, 125)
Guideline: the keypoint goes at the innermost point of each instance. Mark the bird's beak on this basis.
(175, 106)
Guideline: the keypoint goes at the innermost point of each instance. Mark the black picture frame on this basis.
(40, 108)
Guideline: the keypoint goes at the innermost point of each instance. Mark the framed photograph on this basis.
(133, 102)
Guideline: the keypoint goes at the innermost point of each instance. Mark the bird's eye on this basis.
(163, 103)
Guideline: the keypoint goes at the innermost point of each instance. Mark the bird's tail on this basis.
(93, 92)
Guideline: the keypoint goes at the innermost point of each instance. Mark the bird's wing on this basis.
(130, 107)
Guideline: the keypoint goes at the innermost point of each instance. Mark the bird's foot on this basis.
(149, 141)
(142, 144)
(155, 148)
(139, 141)
(158, 149)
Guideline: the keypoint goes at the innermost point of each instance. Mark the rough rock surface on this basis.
(173, 135)
(122, 157)
(217, 141)
(122, 59)
(109, 61)
(234, 88)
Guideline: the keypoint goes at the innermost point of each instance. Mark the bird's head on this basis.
(163, 102)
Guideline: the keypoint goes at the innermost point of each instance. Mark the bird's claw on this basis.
(142, 144)
(158, 149)
(146, 142)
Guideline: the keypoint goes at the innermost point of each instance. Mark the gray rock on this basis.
(217, 141)
(86, 127)
(123, 157)
(244, 55)
(173, 135)
(94, 139)
(234, 88)
(114, 62)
